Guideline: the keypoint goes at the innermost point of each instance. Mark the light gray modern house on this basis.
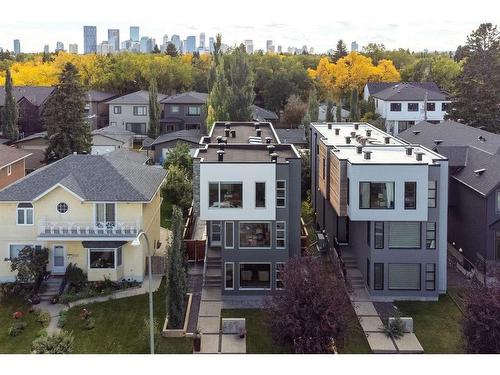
(247, 190)
(383, 205)
(474, 193)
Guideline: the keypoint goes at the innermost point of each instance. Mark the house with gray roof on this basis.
(86, 210)
(295, 137)
(131, 112)
(97, 108)
(184, 111)
(474, 188)
(161, 146)
(111, 138)
(402, 105)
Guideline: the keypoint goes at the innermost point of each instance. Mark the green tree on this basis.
(354, 105)
(154, 110)
(30, 264)
(178, 188)
(10, 129)
(176, 273)
(180, 157)
(57, 343)
(329, 111)
(477, 94)
(338, 112)
(340, 50)
(313, 106)
(171, 50)
(67, 128)
(241, 86)
(156, 50)
(218, 97)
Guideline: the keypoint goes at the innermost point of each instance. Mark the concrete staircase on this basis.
(353, 273)
(213, 273)
(51, 287)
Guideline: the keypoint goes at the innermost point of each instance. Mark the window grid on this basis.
(430, 235)
(280, 234)
(432, 194)
(279, 275)
(281, 193)
(430, 276)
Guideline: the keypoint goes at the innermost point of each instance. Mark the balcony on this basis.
(72, 229)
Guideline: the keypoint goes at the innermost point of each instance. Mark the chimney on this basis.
(356, 126)
(233, 133)
(271, 149)
(219, 139)
(368, 155)
(220, 155)
(337, 131)
(409, 151)
(387, 140)
(274, 157)
(419, 155)
(329, 126)
(258, 132)
(347, 140)
(368, 132)
(359, 149)
(227, 132)
(268, 140)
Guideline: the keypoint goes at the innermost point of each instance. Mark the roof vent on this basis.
(481, 138)
(268, 140)
(257, 125)
(409, 151)
(274, 157)
(356, 126)
(368, 132)
(329, 126)
(233, 133)
(479, 172)
(359, 149)
(271, 149)
(228, 125)
(387, 140)
(222, 146)
(368, 155)
(347, 140)
(353, 134)
(337, 131)
(258, 132)
(219, 138)
(416, 132)
(224, 140)
(438, 141)
(220, 155)
(419, 155)
(226, 131)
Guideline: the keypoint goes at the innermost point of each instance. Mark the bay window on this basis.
(255, 235)
(225, 195)
(255, 276)
(376, 195)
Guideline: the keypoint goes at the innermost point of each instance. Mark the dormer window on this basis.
(24, 214)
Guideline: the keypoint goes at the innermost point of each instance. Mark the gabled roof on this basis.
(406, 92)
(138, 97)
(31, 137)
(375, 87)
(114, 177)
(192, 136)
(115, 132)
(36, 95)
(190, 97)
(291, 136)
(262, 114)
(9, 155)
(99, 96)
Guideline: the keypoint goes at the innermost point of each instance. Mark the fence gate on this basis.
(158, 265)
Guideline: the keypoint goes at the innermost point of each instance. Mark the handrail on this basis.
(67, 228)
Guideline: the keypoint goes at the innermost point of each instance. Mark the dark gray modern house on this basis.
(247, 192)
(162, 145)
(183, 112)
(474, 188)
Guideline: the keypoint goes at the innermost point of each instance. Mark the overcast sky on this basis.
(418, 25)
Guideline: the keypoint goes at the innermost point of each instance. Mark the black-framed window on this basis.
(430, 276)
(117, 109)
(497, 246)
(404, 276)
(281, 193)
(101, 258)
(378, 276)
(280, 234)
(229, 234)
(432, 194)
(368, 233)
(379, 234)
(405, 235)
(445, 107)
(395, 107)
(412, 107)
(255, 234)
(229, 276)
(410, 195)
(140, 110)
(431, 107)
(225, 195)
(255, 276)
(430, 235)
(280, 267)
(376, 195)
(260, 194)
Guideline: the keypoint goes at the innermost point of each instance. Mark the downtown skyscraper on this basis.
(114, 39)
(89, 39)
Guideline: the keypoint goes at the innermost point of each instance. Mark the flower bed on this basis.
(91, 289)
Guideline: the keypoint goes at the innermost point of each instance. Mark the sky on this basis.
(425, 24)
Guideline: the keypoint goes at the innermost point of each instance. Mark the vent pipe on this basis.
(274, 157)
(220, 155)
(409, 151)
(387, 140)
(233, 133)
(337, 131)
(347, 140)
(359, 149)
(271, 149)
(226, 131)
(356, 126)
(268, 140)
(329, 126)
(368, 132)
(419, 155)
(258, 132)
(219, 139)
(222, 146)
(368, 155)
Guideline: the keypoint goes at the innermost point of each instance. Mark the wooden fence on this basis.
(195, 248)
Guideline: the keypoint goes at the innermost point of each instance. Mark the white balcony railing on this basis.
(48, 228)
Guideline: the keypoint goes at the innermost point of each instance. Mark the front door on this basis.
(215, 233)
(59, 259)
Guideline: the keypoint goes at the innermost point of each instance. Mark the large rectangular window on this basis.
(229, 276)
(24, 214)
(404, 235)
(255, 276)
(229, 235)
(395, 107)
(430, 276)
(255, 234)
(281, 193)
(445, 106)
(412, 107)
(117, 109)
(105, 214)
(432, 194)
(431, 107)
(260, 194)
(410, 195)
(225, 195)
(101, 258)
(376, 195)
(379, 235)
(280, 234)
(378, 276)
(15, 249)
(404, 276)
(140, 110)
(193, 110)
(279, 275)
(174, 109)
(430, 235)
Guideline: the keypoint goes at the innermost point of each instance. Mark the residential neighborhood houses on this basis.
(354, 209)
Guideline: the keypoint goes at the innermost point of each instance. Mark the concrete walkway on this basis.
(209, 320)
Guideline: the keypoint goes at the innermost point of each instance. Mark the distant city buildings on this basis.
(176, 41)
(249, 45)
(354, 47)
(72, 48)
(17, 46)
(46, 49)
(114, 40)
(134, 33)
(211, 42)
(89, 39)
(59, 46)
(147, 44)
(269, 46)
(190, 44)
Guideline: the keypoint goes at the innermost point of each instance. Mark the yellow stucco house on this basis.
(87, 210)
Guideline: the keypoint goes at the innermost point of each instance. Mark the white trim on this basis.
(115, 258)
(225, 273)
(33, 244)
(256, 222)
(24, 209)
(105, 203)
(53, 188)
(62, 213)
(9, 169)
(270, 275)
(212, 242)
(53, 258)
(15, 161)
(225, 235)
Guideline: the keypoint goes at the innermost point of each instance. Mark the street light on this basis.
(137, 242)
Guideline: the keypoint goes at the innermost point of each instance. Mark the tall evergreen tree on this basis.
(313, 106)
(354, 105)
(477, 88)
(10, 129)
(241, 87)
(176, 273)
(67, 128)
(218, 106)
(340, 51)
(171, 50)
(216, 61)
(329, 111)
(154, 110)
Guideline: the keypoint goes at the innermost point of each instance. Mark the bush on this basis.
(42, 317)
(396, 328)
(17, 328)
(89, 323)
(15, 289)
(75, 275)
(63, 318)
(58, 343)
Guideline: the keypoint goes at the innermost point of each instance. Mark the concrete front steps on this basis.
(353, 273)
(213, 273)
(51, 287)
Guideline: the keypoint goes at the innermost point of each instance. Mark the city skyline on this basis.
(289, 27)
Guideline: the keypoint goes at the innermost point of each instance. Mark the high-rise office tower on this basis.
(354, 46)
(89, 39)
(190, 44)
(147, 44)
(114, 39)
(176, 41)
(17, 46)
(46, 49)
(73, 48)
(280, 49)
(134, 33)
(202, 40)
(249, 45)
(211, 42)
(269, 46)
(59, 46)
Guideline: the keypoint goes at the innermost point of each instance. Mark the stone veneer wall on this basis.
(196, 187)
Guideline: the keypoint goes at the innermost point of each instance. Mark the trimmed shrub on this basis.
(58, 343)
(89, 323)
(63, 317)
(42, 317)
(17, 328)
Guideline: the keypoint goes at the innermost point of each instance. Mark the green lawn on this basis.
(166, 214)
(119, 326)
(21, 343)
(259, 340)
(436, 324)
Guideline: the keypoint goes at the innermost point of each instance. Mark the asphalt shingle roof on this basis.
(115, 132)
(291, 136)
(262, 114)
(406, 92)
(8, 155)
(110, 178)
(192, 136)
(375, 87)
(190, 97)
(99, 96)
(36, 95)
(138, 97)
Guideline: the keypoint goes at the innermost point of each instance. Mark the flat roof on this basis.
(246, 153)
(242, 132)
